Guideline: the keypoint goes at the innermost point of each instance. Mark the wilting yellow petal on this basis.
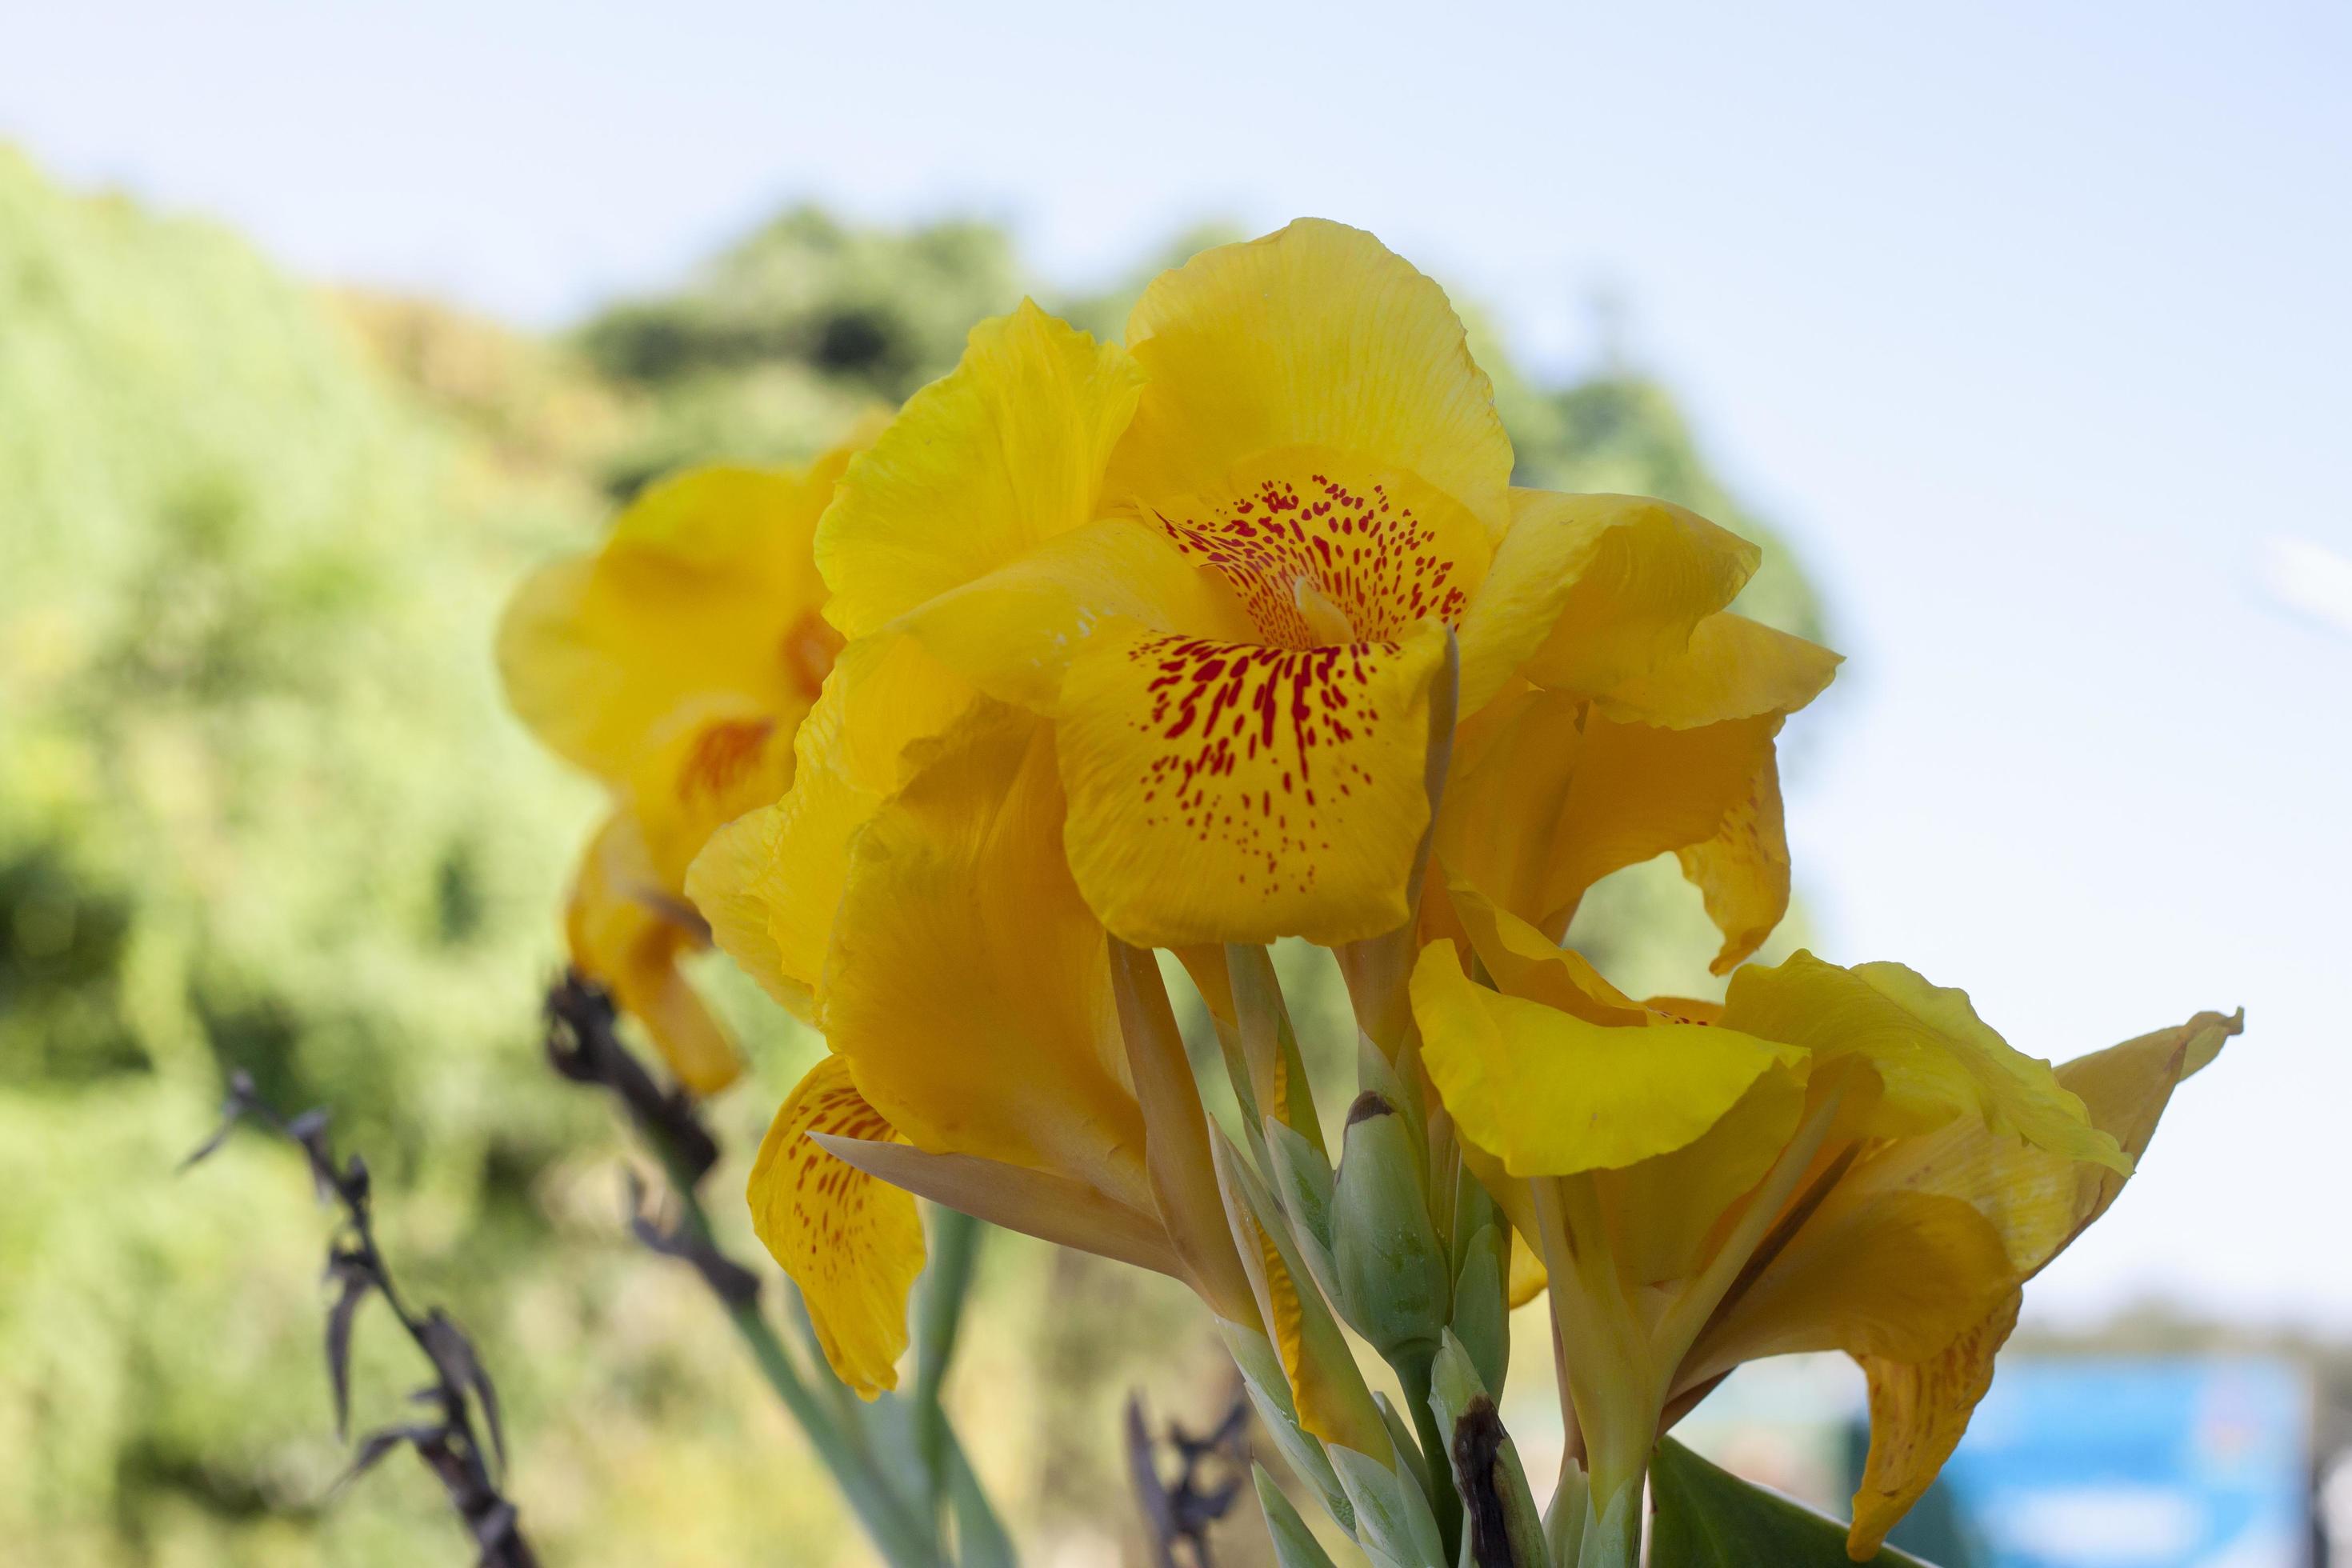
(770, 881)
(706, 589)
(1227, 792)
(1001, 454)
(1012, 632)
(852, 1244)
(1315, 336)
(1896, 1275)
(1654, 575)
(1732, 668)
(967, 982)
(1918, 1413)
(1552, 1094)
(621, 937)
(1934, 1058)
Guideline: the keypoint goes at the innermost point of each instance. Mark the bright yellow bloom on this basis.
(1223, 562)
(1832, 1159)
(1207, 581)
(675, 664)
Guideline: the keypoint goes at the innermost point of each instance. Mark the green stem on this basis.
(901, 1540)
(1437, 1452)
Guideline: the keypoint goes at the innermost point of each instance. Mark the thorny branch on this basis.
(1185, 1511)
(449, 1443)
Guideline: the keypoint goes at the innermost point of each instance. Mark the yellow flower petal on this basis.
(1934, 1058)
(1228, 792)
(770, 881)
(1670, 1204)
(852, 1244)
(1524, 962)
(1656, 572)
(1316, 335)
(1552, 1094)
(2038, 1203)
(1742, 872)
(1013, 632)
(998, 456)
(1897, 1275)
(1545, 799)
(709, 767)
(1918, 1413)
(1324, 546)
(1732, 668)
(706, 589)
(968, 983)
(621, 937)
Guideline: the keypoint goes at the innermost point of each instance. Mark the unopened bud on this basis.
(1391, 1271)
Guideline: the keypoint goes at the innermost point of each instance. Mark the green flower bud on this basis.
(1392, 1273)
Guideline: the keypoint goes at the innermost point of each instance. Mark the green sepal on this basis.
(1503, 1522)
(1303, 1186)
(1392, 1518)
(1482, 1311)
(1269, 1391)
(1709, 1518)
(1295, 1545)
(1563, 1522)
(1408, 1447)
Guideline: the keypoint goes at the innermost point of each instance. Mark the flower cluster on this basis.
(1240, 631)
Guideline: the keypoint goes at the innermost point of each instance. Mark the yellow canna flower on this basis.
(1224, 561)
(675, 664)
(1831, 1159)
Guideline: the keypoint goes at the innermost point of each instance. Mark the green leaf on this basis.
(1392, 1517)
(1709, 1518)
(1295, 1545)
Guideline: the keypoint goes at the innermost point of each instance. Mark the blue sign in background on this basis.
(2130, 1463)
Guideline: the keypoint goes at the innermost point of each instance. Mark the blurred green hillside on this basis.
(260, 807)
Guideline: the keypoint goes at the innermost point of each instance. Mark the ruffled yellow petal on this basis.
(968, 983)
(705, 590)
(1918, 1413)
(2038, 1203)
(1655, 572)
(1228, 792)
(1732, 667)
(1315, 336)
(852, 1244)
(1552, 1094)
(1935, 1058)
(769, 881)
(982, 465)
(626, 934)
(1013, 632)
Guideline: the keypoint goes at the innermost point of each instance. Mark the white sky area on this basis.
(2028, 323)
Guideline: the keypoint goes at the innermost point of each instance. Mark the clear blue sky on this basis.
(2030, 321)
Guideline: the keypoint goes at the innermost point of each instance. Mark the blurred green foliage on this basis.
(260, 807)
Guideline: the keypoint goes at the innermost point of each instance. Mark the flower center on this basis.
(1328, 549)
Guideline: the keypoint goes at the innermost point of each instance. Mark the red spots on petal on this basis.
(1370, 556)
